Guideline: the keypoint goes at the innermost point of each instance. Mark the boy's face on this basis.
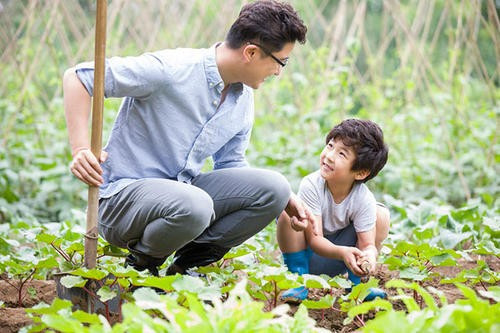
(262, 65)
(336, 161)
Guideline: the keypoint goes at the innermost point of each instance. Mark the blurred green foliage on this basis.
(436, 102)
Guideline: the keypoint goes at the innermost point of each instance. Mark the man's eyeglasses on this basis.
(266, 51)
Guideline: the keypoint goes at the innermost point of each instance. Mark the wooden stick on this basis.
(96, 137)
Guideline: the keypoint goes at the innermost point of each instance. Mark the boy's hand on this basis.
(350, 255)
(300, 215)
(368, 261)
(86, 167)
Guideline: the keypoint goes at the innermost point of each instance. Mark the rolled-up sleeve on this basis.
(136, 77)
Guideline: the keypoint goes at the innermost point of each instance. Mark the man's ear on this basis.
(361, 174)
(249, 52)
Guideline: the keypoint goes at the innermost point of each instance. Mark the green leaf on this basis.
(314, 281)
(105, 293)
(444, 259)
(493, 293)
(62, 323)
(238, 252)
(164, 283)
(413, 273)
(339, 282)
(146, 295)
(324, 302)
(70, 281)
(45, 238)
(94, 273)
(365, 307)
(57, 305)
(84, 317)
(47, 263)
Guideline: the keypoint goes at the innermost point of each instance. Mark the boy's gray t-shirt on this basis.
(359, 207)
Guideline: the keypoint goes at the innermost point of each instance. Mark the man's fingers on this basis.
(86, 168)
(104, 156)
(90, 159)
(93, 176)
(298, 225)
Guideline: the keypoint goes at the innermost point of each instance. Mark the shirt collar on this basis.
(212, 72)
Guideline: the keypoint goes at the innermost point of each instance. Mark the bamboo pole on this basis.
(96, 136)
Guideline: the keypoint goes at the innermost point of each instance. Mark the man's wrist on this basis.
(77, 150)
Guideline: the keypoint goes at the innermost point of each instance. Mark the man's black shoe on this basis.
(140, 261)
(195, 255)
(132, 261)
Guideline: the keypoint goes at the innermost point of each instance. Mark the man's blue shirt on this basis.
(170, 120)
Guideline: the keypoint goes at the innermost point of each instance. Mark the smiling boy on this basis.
(349, 225)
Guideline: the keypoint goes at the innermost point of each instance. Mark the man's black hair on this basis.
(267, 22)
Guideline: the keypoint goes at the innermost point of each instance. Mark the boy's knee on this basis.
(382, 225)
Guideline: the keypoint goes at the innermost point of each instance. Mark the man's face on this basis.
(262, 65)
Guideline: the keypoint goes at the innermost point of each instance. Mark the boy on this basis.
(180, 107)
(347, 228)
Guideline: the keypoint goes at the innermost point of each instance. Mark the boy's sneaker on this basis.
(295, 295)
(374, 293)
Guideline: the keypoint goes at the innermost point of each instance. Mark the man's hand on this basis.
(86, 167)
(350, 255)
(300, 214)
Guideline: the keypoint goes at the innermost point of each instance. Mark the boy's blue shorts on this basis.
(321, 265)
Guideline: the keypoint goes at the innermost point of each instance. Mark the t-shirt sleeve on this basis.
(309, 193)
(136, 77)
(364, 215)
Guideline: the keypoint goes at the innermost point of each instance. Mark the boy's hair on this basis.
(367, 140)
(268, 22)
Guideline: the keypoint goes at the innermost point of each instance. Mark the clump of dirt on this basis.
(13, 317)
(33, 292)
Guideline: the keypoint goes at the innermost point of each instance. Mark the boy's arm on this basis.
(325, 248)
(366, 243)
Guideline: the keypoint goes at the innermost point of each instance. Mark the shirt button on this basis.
(215, 102)
(211, 85)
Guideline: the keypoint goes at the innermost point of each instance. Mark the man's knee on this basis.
(277, 189)
(196, 212)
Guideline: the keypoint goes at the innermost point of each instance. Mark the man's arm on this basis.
(77, 110)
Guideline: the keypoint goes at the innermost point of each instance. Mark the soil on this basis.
(13, 317)
(332, 319)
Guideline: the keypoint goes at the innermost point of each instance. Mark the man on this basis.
(180, 107)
